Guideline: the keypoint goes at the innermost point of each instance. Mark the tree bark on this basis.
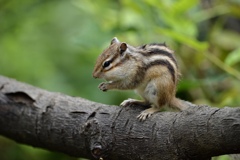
(82, 128)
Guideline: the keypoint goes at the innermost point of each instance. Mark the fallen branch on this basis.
(82, 128)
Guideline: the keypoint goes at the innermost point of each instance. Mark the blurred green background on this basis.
(54, 44)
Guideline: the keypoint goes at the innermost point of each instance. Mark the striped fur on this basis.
(151, 70)
(156, 55)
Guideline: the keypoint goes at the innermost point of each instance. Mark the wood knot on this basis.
(97, 151)
(21, 97)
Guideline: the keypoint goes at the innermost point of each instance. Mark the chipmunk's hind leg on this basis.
(159, 93)
(147, 113)
(152, 95)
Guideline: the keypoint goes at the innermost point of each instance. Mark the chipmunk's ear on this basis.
(115, 40)
(123, 48)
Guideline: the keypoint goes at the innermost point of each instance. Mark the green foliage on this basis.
(233, 57)
(54, 45)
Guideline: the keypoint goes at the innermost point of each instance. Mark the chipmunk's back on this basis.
(151, 70)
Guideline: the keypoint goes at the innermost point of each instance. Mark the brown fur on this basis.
(151, 70)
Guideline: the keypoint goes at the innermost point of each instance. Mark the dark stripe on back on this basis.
(152, 44)
(166, 64)
(158, 44)
(156, 51)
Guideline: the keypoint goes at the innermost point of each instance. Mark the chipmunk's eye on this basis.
(106, 64)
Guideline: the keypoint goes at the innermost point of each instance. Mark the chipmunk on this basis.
(151, 70)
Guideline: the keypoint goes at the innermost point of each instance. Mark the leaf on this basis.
(190, 41)
(233, 57)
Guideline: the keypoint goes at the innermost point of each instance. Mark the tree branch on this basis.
(82, 128)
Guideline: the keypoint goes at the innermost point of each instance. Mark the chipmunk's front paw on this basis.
(103, 86)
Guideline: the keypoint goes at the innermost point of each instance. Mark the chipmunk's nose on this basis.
(95, 75)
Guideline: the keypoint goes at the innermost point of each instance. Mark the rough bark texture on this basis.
(82, 128)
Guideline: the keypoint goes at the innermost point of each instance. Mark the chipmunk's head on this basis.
(109, 64)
